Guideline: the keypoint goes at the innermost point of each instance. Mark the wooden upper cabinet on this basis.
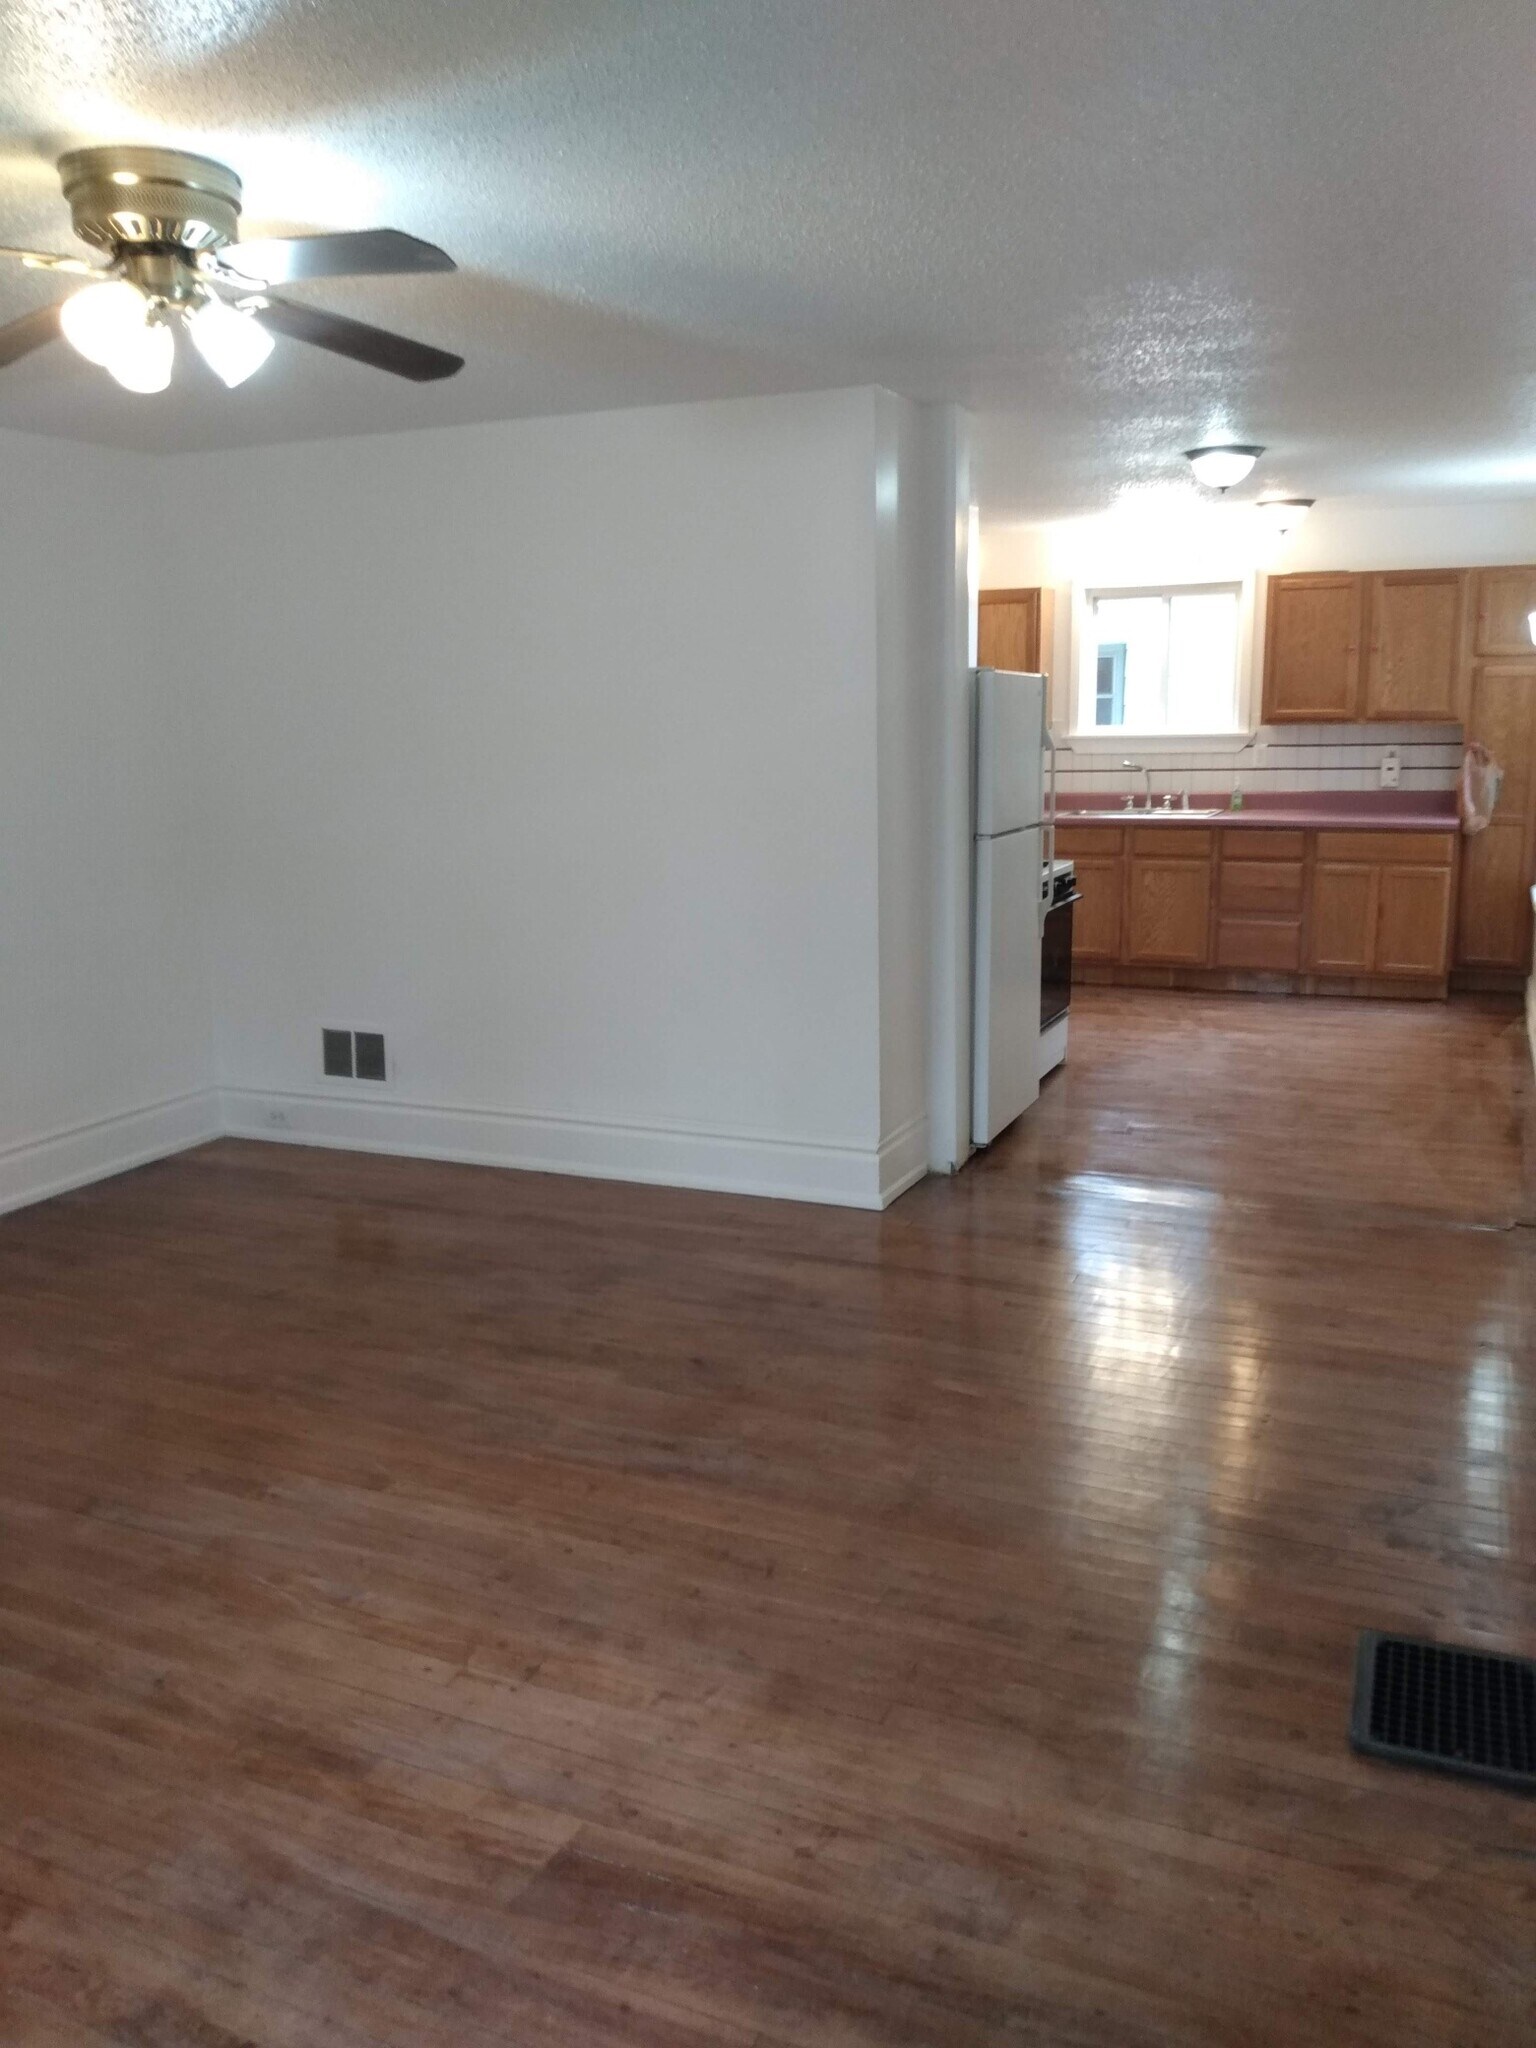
(1312, 648)
(1014, 630)
(1414, 657)
(1501, 712)
(1505, 599)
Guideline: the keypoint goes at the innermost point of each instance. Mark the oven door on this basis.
(1056, 962)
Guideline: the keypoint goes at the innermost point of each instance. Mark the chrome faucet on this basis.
(1138, 768)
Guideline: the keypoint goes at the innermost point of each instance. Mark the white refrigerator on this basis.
(1012, 741)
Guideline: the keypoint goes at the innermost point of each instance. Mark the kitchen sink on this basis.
(1121, 816)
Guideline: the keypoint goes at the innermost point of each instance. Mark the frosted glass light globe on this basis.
(103, 318)
(1219, 468)
(230, 343)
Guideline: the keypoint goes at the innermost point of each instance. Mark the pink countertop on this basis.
(1375, 810)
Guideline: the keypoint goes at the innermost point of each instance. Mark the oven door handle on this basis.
(1065, 902)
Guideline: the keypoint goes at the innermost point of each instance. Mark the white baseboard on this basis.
(728, 1162)
(903, 1160)
(32, 1169)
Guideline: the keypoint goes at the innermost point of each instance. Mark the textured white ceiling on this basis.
(1109, 226)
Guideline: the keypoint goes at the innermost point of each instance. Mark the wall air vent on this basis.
(369, 1062)
(352, 1055)
(336, 1054)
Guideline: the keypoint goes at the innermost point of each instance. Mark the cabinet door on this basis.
(1414, 660)
(1170, 912)
(1096, 919)
(1502, 714)
(1505, 600)
(1312, 648)
(1413, 921)
(1343, 918)
(1493, 926)
(1008, 630)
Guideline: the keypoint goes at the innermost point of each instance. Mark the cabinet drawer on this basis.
(1418, 849)
(1243, 842)
(1258, 942)
(1173, 842)
(1274, 886)
(1072, 840)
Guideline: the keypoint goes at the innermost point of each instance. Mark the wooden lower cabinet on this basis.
(1493, 929)
(1097, 920)
(1169, 911)
(1344, 902)
(1413, 921)
(1382, 905)
(1352, 911)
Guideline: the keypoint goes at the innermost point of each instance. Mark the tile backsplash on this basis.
(1281, 757)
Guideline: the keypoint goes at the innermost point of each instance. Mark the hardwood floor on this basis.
(440, 1606)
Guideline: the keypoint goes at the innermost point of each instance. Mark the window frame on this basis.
(1082, 668)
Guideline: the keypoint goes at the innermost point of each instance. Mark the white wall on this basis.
(554, 750)
(903, 696)
(104, 1017)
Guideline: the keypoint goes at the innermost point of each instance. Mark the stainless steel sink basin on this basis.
(1121, 816)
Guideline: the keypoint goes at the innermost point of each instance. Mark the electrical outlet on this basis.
(1391, 768)
(274, 1118)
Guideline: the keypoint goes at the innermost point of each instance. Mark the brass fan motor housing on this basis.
(128, 196)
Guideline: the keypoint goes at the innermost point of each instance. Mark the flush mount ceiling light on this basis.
(167, 224)
(1284, 515)
(1219, 467)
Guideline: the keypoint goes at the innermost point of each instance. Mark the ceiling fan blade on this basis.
(36, 259)
(371, 252)
(31, 331)
(354, 338)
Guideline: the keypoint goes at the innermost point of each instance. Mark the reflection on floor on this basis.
(448, 1607)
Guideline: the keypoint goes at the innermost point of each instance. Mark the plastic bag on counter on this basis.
(1481, 780)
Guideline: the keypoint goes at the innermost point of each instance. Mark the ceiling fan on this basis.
(167, 224)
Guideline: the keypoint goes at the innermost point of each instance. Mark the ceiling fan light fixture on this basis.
(1218, 467)
(168, 223)
(231, 343)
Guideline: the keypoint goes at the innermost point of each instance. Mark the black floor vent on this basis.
(1446, 1709)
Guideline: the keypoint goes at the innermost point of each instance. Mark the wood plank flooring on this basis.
(440, 1606)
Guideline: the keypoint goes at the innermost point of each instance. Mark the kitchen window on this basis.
(1158, 661)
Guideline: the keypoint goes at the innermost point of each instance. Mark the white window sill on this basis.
(1116, 741)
